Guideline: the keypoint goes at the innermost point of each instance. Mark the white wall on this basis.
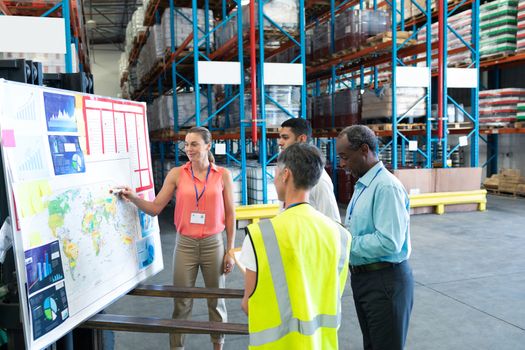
(511, 152)
(104, 65)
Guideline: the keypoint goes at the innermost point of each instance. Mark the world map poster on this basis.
(78, 248)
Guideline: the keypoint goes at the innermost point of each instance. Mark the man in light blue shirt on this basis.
(378, 217)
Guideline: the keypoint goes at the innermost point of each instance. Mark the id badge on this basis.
(197, 218)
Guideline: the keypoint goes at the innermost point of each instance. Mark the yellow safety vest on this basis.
(302, 266)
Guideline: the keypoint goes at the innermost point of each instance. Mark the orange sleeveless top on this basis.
(211, 203)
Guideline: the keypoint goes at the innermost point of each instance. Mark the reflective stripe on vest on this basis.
(288, 322)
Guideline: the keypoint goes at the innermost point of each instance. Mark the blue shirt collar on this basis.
(367, 178)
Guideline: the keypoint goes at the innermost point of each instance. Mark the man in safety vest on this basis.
(296, 264)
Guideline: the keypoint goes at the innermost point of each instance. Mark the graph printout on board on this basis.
(78, 248)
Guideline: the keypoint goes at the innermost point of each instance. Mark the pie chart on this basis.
(50, 309)
(76, 162)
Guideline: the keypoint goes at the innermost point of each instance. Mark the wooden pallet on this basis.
(458, 126)
(346, 52)
(400, 127)
(319, 61)
(497, 56)
(498, 192)
(380, 127)
(519, 125)
(411, 126)
(496, 125)
(386, 37)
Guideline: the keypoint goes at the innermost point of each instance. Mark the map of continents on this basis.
(96, 232)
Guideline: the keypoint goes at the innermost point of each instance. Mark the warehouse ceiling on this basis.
(106, 20)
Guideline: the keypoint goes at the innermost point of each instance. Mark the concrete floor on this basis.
(469, 270)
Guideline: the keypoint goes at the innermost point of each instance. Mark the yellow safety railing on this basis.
(256, 212)
(440, 199)
(253, 213)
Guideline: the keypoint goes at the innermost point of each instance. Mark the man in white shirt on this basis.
(322, 197)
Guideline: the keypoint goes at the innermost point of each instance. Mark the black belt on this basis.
(371, 267)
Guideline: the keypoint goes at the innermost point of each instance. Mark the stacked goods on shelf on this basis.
(134, 28)
(410, 9)
(348, 33)
(462, 24)
(184, 27)
(499, 106)
(159, 38)
(51, 62)
(352, 28)
(322, 111)
(132, 84)
(520, 36)
(498, 27)
(288, 97)
(284, 13)
(290, 54)
(321, 42)
(160, 113)
(347, 109)
(123, 66)
(254, 178)
(507, 181)
(521, 112)
(379, 105)
(151, 53)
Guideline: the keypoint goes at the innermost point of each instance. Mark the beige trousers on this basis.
(189, 255)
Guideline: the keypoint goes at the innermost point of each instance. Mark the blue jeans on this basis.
(383, 301)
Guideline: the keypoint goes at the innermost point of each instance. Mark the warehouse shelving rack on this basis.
(180, 71)
(444, 98)
(71, 11)
(364, 63)
(397, 55)
(490, 137)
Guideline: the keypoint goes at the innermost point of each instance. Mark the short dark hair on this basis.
(358, 135)
(306, 163)
(299, 126)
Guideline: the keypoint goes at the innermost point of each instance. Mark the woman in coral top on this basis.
(203, 210)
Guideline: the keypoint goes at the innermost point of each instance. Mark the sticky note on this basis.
(8, 138)
(35, 239)
(30, 195)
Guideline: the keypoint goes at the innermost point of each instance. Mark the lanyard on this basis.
(360, 193)
(197, 196)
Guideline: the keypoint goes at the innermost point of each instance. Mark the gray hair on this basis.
(306, 163)
(358, 135)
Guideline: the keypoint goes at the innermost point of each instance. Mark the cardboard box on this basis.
(440, 180)
(458, 179)
(417, 181)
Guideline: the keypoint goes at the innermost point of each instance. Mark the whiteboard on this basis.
(77, 247)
